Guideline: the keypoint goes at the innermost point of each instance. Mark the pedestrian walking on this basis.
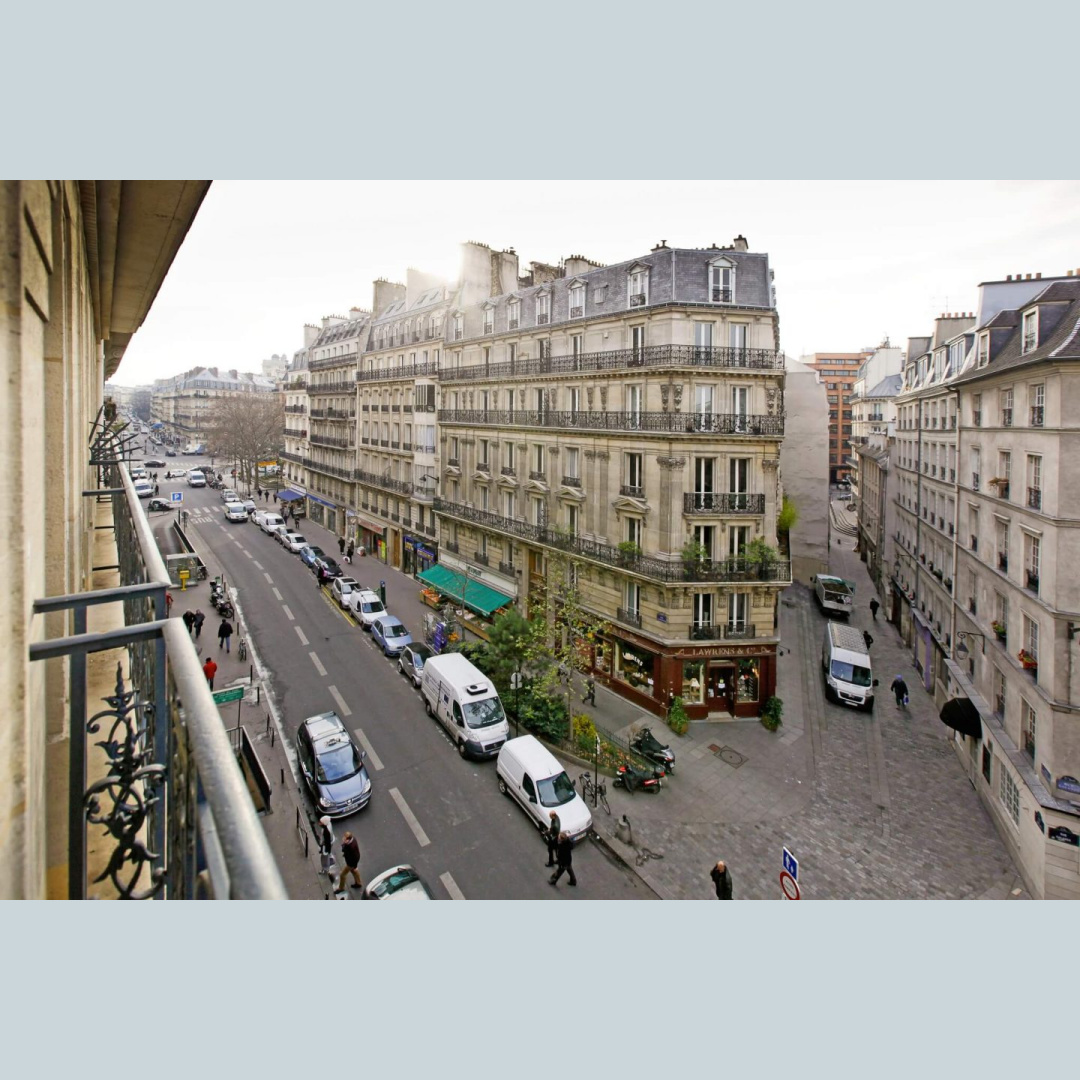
(326, 845)
(349, 552)
(900, 691)
(156, 489)
(868, 639)
(224, 634)
(552, 837)
(874, 605)
(351, 850)
(189, 620)
(721, 877)
(209, 669)
(275, 496)
(590, 692)
(197, 622)
(565, 853)
(168, 603)
(341, 545)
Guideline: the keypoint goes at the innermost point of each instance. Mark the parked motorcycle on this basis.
(648, 746)
(631, 778)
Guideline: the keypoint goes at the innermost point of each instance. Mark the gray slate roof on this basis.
(888, 387)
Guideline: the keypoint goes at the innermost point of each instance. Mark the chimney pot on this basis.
(1027, 277)
(1038, 276)
(1008, 277)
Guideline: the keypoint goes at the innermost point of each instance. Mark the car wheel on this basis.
(461, 747)
(427, 705)
(503, 789)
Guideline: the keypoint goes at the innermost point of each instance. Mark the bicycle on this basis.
(596, 789)
(241, 649)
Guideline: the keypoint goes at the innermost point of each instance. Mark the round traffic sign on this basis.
(789, 885)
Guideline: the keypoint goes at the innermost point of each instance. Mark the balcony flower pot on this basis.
(1028, 661)
(628, 552)
(999, 629)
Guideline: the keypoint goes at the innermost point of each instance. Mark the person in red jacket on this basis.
(210, 670)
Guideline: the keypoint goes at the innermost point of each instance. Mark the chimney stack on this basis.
(740, 243)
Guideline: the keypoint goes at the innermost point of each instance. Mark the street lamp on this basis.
(962, 651)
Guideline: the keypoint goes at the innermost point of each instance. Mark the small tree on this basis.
(694, 552)
(677, 719)
(246, 428)
(512, 639)
(759, 551)
(788, 517)
(770, 715)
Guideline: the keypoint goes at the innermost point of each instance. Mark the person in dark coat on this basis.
(552, 837)
(341, 545)
(566, 861)
(197, 622)
(721, 877)
(590, 692)
(224, 634)
(874, 605)
(351, 850)
(868, 639)
(349, 552)
(189, 620)
(900, 690)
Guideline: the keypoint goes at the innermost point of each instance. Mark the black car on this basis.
(332, 766)
(159, 504)
(153, 463)
(327, 563)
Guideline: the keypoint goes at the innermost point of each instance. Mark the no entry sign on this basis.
(789, 885)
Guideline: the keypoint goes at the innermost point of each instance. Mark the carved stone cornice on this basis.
(671, 463)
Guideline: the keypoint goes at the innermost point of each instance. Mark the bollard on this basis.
(623, 831)
(283, 774)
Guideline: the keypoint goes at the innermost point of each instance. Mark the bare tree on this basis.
(247, 429)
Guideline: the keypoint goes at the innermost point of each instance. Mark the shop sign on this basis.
(1068, 783)
(425, 552)
(407, 543)
(1064, 836)
(723, 652)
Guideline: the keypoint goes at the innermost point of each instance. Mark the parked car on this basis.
(332, 766)
(170, 453)
(341, 588)
(411, 661)
(530, 774)
(310, 553)
(249, 506)
(327, 563)
(144, 489)
(175, 474)
(397, 883)
(139, 474)
(389, 632)
(294, 542)
(228, 495)
(234, 511)
(153, 463)
(159, 504)
(278, 531)
(366, 606)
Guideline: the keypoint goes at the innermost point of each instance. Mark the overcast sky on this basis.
(854, 261)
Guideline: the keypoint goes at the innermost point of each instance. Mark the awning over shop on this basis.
(479, 597)
(961, 715)
(289, 496)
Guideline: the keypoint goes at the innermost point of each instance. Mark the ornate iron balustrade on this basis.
(402, 487)
(332, 441)
(337, 386)
(295, 433)
(318, 414)
(296, 409)
(480, 557)
(647, 356)
(571, 481)
(332, 361)
(1034, 498)
(665, 422)
(508, 470)
(1037, 415)
(778, 572)
(507, 568)
(174, 804)
(717, 502)
(329, 470)
(731, 631)
(631, 618)
(632, 491)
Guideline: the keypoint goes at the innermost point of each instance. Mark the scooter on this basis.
(647, 745)
(632, 778)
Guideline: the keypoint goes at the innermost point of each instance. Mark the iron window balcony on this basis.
(1036, 415)
(507, 568)
(729, 631)
(1006, 417)
(720, 295)
(1034, 498)
(1031, 578)
(638, 300)
(405, 371)
(727, 502)
(752, 425)
(571, 481)
(631, 618)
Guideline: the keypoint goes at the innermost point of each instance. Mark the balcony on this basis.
(538, 474)
(542, 319)
(630, 618)
(295, 433)
(1034, 498)
(296, 409)
(480, 557)
(577, 312)
(736, 569)
(332, 441)
(403, 371)
(1036, 415)
(489, 328)
(387, 483)
(571, 481)
(336, 386)
(720, 296)
(660, 422)
(1002, 487)
(507, 568)
(512, 324)
(172, 815)
(648, 356)
(451, 546)
(1006, 417)
(329, 470)
(638, 299)
(632, 491)
(508, 470)
(453, 463)
(458, 334)
(731, 631)
(976, 418)
(484, 467)
(1031, 579)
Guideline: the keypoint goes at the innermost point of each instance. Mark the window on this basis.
(454, 447)
(1006, 408)
(508, 504)
(572, 519)
(575, 400)
(544, 349)
(537, 511)
(1004, 473)
(1000, 689)
(738, 538)
(703, 338)
(1003, 547)
(976, 467)
(489, 320)
(1009, 795)
(987, 761)
(976, 410)
(639, 288)
(1030, 330)
(577, 300)
(538, 460)
(1037, 396)
(482, 457)
(633, 406)
(632, 598)
(722, 281)
(738, 611)
(1027, 729)
(635, 475)
(459, 327)
(513, 315)
(739, 476)
(1031, 638)
(703, 610)
(573, 469)
(543, 308)
(738, 333)
(633, 530)
(1032, 560)
(1034, 472)
(577, 345)
(508, 455)
(740, 406)
(982, 357)
(637, 343)
(703, 407)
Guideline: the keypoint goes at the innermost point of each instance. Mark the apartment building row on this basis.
(628, 417)
(182, 406)
(980, 530)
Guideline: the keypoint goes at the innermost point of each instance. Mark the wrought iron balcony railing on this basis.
(632, 491)
(334, 386)
(647, 356)
(296, 408)
(388, 483)
(630, 618)
(1034, 498)
(731, 631)
(332, 441)
(1036, 415)
(722, 502)
(737, 569)
(663, 422)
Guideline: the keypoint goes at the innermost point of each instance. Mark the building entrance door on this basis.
(720, 688)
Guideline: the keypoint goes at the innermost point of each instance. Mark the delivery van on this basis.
(835, 596)
(531, 775)
(464, 700)
(196, 478)
(845, 662)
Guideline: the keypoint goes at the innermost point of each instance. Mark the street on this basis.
(429, 807)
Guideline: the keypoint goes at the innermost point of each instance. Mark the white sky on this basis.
(854, 261)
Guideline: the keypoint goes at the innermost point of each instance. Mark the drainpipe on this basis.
(915, 635)
(956, 529)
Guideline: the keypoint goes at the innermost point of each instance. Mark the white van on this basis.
(196, 478)
(845, 662)
(532, 775)
(464, 700)
(834, 594)
(268, 521)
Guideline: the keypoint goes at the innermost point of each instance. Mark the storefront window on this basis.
(748, 680)
(635, 667)
(693, 682)
(603, 657)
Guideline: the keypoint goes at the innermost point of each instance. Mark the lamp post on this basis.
(962, 651)
(515, 685)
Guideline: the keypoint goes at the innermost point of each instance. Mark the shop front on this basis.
(418, 554)
(325, 513)
(371, 537)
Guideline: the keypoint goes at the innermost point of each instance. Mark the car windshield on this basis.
(397, 880)
(850, 673)
(484, 713)
(395, 630)
(371, 606)
(338, 762)
(555, 790)
(316, 552)
(296, 538)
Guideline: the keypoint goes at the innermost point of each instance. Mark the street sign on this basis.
(789, 885)
(176, 496)
(791, 865)
(233, 694)
(516, 680)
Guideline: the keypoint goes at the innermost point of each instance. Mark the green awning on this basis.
(479, 597)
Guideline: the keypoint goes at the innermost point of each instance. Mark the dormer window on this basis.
(543, 308)
(489, 318)
(459, 326)
(639, 287)
(513, 314)
(1030, 330)
(577, 299)
(982, 356)
(721, 281)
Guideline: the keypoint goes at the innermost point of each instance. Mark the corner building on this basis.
(629, 416)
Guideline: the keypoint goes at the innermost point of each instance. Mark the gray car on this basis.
(411, 661)
(332, 766)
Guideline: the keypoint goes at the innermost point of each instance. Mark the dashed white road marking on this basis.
(366, 744)
(277, 595)
(410, 818)
(451, 886)
(269, 579)
(247, 553)
(288, 614)
(317, 662)
(258, 564)
(342, 704)
(299, 633)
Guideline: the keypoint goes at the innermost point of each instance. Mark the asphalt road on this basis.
(429, 807)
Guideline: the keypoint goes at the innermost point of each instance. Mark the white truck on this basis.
(845, 663)
(464, 700)
(834, 594)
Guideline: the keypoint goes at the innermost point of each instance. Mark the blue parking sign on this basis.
(176, 496)
(791, 864)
